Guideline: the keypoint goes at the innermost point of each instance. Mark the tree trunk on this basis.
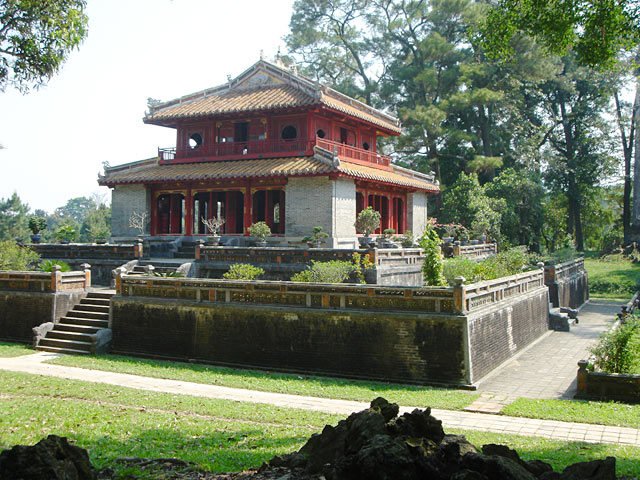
(634, 234)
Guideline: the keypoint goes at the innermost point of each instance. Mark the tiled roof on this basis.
(263, 87)
(257, 168)
(251, 99)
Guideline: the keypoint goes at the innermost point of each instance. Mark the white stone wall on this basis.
(416, 212)
(126, 199)
(331, 204)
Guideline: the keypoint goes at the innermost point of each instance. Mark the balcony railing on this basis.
(269, 149)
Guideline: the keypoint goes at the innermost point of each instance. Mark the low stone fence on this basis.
(103, 257)
(568, 283)
(28, 299)
(394, 266)
(610, 386)
(481, 250)
(432, 335)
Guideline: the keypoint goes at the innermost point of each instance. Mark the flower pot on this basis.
(101, 241)
(314, 244)
(213, 240)
(365, 242)
(261, 243)
(36, 238)
(447, 240)
(65, 242)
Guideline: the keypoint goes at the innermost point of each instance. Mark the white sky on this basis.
(55, 139)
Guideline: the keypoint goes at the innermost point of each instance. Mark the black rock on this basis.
(594, 470)
(52, 458)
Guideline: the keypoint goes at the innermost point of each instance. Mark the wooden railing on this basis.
(270, 148)
(459, 299)
(83, 250)
(353, 153)
(562, 271)
(56, 281)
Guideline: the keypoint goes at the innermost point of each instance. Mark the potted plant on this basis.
(261, 231)
(314, 240)
(407, 240)
(138, 221)
(367, 222)
(66, 233)
(36, 225)
(387, 235)
(213, 226)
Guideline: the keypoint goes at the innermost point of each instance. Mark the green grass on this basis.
(612, 278)
(14, 349)
(217, 435)
(276, 382)
(601, 413)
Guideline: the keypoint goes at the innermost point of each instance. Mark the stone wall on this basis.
(607, 386)
(416, 212)
(400, 347)
(125, 200)
(308, 203)
(568, 283)
(21, 311)
(344, 213)
(495, 335)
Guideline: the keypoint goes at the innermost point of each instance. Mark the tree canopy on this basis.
(36, 37)
(596, 30)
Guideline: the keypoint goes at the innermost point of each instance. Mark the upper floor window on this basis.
(289, 132)
(320, 133)
(195, 140)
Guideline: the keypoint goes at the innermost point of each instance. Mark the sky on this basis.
(56, 139)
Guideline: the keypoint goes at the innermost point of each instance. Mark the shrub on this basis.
(508, 262)
(260, 230)
(360, 264)
(317, 236)
(368, 221)
(242, 271)
(37, 224)
(432, 269)
(334, 271)
(406, 240)
(47, 265)
(618, 350)
(66, 232)
(15, 257)
(169, 274)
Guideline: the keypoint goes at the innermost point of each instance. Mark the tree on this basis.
(596, 30)
(13, 218)
(77, 208)
(36, 37)
(96, 225)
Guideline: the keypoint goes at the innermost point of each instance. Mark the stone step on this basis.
(68, 327)
(61, 350)
(89, 322)
(66, 344)
(79, 312)
(90, 307)
(95, 301)
(105, 295)
(72, 336)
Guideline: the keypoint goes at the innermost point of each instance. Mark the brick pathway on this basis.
(548, 368)
(450, 419)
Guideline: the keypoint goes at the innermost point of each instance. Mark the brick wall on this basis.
(404, 347)
(495, 335)
(344, 208)
(126, 199)
(416, 212)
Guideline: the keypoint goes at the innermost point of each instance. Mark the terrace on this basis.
(269, 149)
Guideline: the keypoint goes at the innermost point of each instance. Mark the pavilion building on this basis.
(273, 146)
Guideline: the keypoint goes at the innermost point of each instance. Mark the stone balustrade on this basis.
(55, 281)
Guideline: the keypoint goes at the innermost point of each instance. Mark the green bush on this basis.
(47, 265)
(618, 350)
(15, 257)
(260, 230)
(242, 271)
(334, 271)
(37, 224)
(508, 262)
(432, 269)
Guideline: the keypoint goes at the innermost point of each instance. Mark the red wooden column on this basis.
(248, 203)
(154, 213)
(188, 214)
(282, 211)
(268, 207)
(392, 213)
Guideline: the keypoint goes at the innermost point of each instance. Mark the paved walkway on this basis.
(450, 419)
(548, 368)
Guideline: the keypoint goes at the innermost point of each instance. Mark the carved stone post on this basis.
(459, 299)
(582, 376)
(56, 278)
(117, 275)
(86, 268)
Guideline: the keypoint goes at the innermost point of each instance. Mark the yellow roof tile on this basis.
(394, 177)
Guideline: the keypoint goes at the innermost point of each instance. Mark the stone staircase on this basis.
(186, 250)
(81, 328)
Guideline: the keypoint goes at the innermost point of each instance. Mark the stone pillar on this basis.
(87, 274)
(582, 376)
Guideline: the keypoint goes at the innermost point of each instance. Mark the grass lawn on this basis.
(218, 435)
(14, 349)
(276, 382)
(612, 278)
(602, 413)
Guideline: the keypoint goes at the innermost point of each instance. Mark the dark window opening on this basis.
(289, 132)
(320, 133)
(343, 135)
(269, 207)
(365, 146)
(241, 132)
(195, 140)
(171, 213)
